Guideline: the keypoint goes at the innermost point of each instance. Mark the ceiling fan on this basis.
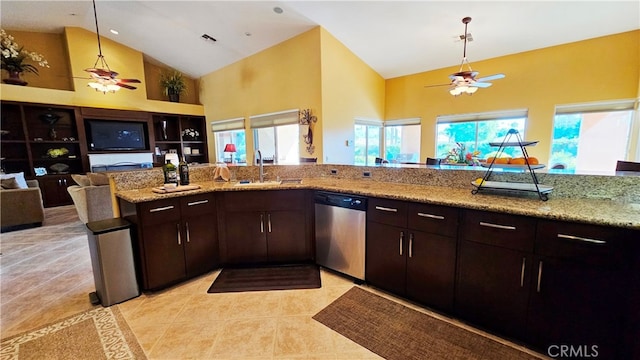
(465, 81)
(103, 78)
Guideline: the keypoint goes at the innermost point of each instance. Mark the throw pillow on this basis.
(82, 180)
(97, 179)
(9, 183)
(22, 183)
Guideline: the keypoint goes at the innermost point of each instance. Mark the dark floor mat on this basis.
(283, 277)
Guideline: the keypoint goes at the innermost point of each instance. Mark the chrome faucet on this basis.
(261, 166)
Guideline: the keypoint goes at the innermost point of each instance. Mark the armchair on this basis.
(21, 208)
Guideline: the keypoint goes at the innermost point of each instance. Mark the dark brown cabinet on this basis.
(185, 135)
(411, 250)
(54, 189)
(266, 226)
(548, 283)
(495, 258)
(579, 293)
(177, 238)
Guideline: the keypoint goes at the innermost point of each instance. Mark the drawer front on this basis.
(390, 212)
(582, 243)
(509, 231)
(160, 211)
(435, 219)
(198, 205)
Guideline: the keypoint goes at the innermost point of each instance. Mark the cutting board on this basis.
(162, 190)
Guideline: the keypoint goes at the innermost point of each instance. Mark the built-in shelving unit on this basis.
(534, 186)
(171, 135)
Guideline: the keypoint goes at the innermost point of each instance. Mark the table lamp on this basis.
(230, 148)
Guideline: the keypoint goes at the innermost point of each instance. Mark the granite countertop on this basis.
(592, 211)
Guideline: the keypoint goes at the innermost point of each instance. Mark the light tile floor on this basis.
(46, 275)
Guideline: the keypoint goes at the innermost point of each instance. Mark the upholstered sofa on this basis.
(91, 197)
(21, 208)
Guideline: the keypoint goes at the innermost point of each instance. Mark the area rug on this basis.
(101, 333)
(395, 331)
(283, 277)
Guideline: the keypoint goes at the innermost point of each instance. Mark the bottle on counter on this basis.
(183, 169)
(170, 173)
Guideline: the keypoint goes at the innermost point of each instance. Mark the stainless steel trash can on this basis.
(112, 261)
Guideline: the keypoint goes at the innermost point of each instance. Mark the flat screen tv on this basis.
(104, 135)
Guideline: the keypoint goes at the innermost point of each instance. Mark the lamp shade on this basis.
(230, 148)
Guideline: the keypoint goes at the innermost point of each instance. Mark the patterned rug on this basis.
(100, 333)
(395, 331)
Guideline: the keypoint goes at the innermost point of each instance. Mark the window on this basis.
(230, 132)
(276, 135)
(367, 141)
(402, 140)
(476, 131)
(591, 137)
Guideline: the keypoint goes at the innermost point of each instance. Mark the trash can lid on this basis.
(108, 225)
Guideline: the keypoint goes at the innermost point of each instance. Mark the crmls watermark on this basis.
(573, 351)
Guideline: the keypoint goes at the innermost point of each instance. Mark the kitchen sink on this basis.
(257, 184)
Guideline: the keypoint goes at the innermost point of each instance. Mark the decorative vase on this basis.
(14, 79)
(163, 125)
(173, 96)
(53, 135)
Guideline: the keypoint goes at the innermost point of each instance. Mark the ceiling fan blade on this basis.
(428, 86)
(129, 80)
(126, 86)
(491, 77)
(102, 72)
(481, 84)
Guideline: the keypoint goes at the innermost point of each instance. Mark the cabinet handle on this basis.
(497, 226)
(411, 245)
(578, 238)
(178, 229)
(386, 209)
(524, 261)
(261, 223)
(401, 241)
(161, 208)
(188, 235)
(59, 182)
(539, 276)
(197, 202)
(269, 222)
(431, 216)
(64, 181)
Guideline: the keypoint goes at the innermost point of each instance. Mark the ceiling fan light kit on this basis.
(103, 79)
(464, 81)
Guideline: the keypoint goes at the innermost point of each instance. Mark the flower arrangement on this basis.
(14, 56)
(54, 153)
(459, 155)
(190, 133)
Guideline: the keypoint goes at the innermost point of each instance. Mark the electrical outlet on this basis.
(366, 174)
(334, 171)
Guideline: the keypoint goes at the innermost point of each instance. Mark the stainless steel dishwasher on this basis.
(340, 232)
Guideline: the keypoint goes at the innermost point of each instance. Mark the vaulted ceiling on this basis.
(395, 38)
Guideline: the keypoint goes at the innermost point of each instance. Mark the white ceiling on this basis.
(395, 38)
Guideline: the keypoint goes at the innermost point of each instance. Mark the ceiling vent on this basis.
(208, 37)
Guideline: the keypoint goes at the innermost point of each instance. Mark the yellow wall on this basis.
(53, 48)
(78, 50)
(605, 68)
(350, 89)
(283, 77)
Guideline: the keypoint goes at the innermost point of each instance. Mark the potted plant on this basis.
(14, 59)
(173, 84)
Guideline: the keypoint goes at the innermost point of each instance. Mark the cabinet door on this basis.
(431, 261)
(286, 236)
(201, 233)
(493, 287)
(164, 254)
(386, 256)
(245, 237)
(54, 190)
